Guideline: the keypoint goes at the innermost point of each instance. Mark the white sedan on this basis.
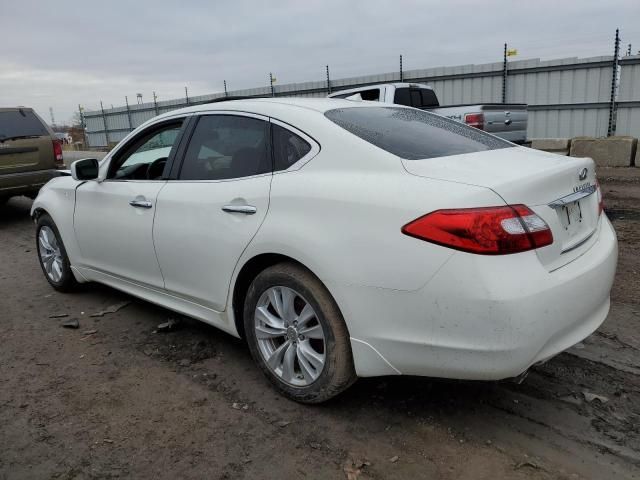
(341, 239)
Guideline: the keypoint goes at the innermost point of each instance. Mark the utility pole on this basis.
(328, 82)
(155, 102)
(225, 88)
(84, 133)
(126, 100)
(53, 120)
(186, 94)
(273, 92)
(504, 75)
(629, 51)
(401, 74)
(104, 122)
(613, 107)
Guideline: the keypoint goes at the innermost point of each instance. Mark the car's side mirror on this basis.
(85, 169)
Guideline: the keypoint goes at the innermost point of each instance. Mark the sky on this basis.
(65, 53)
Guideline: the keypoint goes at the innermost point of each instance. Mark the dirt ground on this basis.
(116, 399)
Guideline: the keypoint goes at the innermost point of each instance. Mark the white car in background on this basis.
(341, 239)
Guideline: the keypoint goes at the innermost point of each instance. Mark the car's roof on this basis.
(265, 105)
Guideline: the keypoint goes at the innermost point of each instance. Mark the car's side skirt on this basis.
(164, 299)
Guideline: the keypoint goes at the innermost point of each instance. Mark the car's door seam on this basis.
(235, 269)
(153, 234)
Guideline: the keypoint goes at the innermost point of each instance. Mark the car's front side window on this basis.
(226, 146)
(146, 156)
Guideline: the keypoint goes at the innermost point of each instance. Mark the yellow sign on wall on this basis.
(512, 52)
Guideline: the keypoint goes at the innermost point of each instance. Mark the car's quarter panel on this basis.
(197, 242)
(341, 216)
(115, 237)
(344, 210)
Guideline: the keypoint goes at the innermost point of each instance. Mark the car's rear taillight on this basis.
(57, 153)
(474, 120)
(600, 199)
(486, 231)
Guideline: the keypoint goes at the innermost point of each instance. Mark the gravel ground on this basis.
(116, 399)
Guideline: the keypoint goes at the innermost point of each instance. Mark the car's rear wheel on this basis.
(53, 256)
(297, 335)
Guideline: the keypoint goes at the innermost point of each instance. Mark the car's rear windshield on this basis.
(413, 134)
(20, 123)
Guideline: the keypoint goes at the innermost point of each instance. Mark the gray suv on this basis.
(30, 154)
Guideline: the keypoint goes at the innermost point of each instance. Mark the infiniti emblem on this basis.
(583, 174)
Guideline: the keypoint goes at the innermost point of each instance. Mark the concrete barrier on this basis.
(606, 152)
(560, 146)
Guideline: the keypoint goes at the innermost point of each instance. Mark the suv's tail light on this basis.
(486, 231)
(600, 199)
(474, 120)
(57, 152)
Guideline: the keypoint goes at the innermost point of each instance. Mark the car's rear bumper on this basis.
(479, 317)
(25, 182)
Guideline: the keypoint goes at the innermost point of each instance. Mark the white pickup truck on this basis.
(505, 120)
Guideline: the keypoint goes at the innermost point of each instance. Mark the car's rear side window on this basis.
(288, 147)
(20, 123)
(413, 134)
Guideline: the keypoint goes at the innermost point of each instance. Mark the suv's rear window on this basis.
(20, 123)
(413, 134)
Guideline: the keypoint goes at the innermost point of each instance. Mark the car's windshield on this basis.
(413, 134)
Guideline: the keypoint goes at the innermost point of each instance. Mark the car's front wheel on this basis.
(53, 256)
(297, 335)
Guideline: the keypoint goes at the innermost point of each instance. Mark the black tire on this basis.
(338, 372)
(67, 281)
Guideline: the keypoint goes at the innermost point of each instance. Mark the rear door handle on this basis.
(140, 204)
(246, 209)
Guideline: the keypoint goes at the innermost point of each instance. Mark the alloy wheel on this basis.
(50, 253)
(289, 335)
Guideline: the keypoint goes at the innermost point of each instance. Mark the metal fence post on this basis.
(82, 126)
(613, 108)
(328, 82)
(273, 92)
(128, 113)
(504, 75)
(104, 122)
(155, 102)
(186, 95)
(401, 74)
(225, 88)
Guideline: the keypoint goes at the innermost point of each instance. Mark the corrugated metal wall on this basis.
(567, 97)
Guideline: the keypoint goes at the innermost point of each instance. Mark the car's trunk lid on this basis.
(559, 189)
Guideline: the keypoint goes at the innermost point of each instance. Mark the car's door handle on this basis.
(246, 209)
(140, 204)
